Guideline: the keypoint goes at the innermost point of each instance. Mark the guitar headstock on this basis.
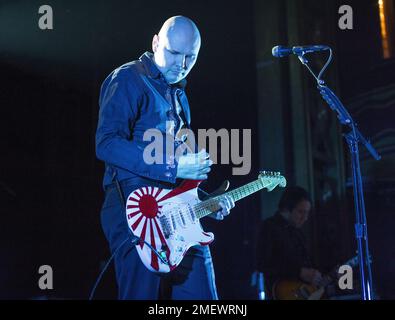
(271, 180)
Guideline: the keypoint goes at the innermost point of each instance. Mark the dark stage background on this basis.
(50, 84)
(50, 179)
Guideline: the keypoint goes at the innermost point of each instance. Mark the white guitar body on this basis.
(167, 221)
(146, 211)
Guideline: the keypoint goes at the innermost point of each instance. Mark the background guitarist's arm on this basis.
(311, 276)
(271, 256)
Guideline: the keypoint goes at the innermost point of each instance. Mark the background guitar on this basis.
(298, 290)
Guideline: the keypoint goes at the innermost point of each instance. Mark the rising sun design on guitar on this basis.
(167, 221)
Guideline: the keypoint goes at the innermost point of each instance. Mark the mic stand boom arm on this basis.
(352, 138)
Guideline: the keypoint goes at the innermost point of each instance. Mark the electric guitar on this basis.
(298, 290)
(166, 221)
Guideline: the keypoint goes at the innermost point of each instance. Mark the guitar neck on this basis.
(207, 207)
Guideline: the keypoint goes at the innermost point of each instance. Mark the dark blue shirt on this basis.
(134, 98)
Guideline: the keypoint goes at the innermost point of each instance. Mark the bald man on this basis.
(140, 95)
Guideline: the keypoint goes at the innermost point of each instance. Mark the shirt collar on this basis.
(153, 71)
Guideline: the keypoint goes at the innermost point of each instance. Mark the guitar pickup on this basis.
(165, 225)
(191, 213)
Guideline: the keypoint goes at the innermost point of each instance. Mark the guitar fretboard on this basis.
(207, 207)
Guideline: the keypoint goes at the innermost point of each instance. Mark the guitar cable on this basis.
(135, 241)
(105, 269)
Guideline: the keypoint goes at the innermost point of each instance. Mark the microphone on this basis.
(281, 51)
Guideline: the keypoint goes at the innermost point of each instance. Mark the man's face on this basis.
(300, 213)
(175, 56)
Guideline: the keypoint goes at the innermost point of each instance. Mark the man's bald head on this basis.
(176, 48)
(181, 29)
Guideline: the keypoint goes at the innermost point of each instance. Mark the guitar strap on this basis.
(135, 240)
(119, 188)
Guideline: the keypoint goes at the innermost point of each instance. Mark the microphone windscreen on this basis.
(275, 52)
(281, 51)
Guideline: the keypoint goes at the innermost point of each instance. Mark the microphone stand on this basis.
(353, 138)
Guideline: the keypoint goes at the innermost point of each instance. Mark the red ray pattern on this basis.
(131, 215)
(143, 231)
(135, 225)
(149, 223)
(138, 193)
(154, 258)
(134, 199)
(157, 193)
(185, 186)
